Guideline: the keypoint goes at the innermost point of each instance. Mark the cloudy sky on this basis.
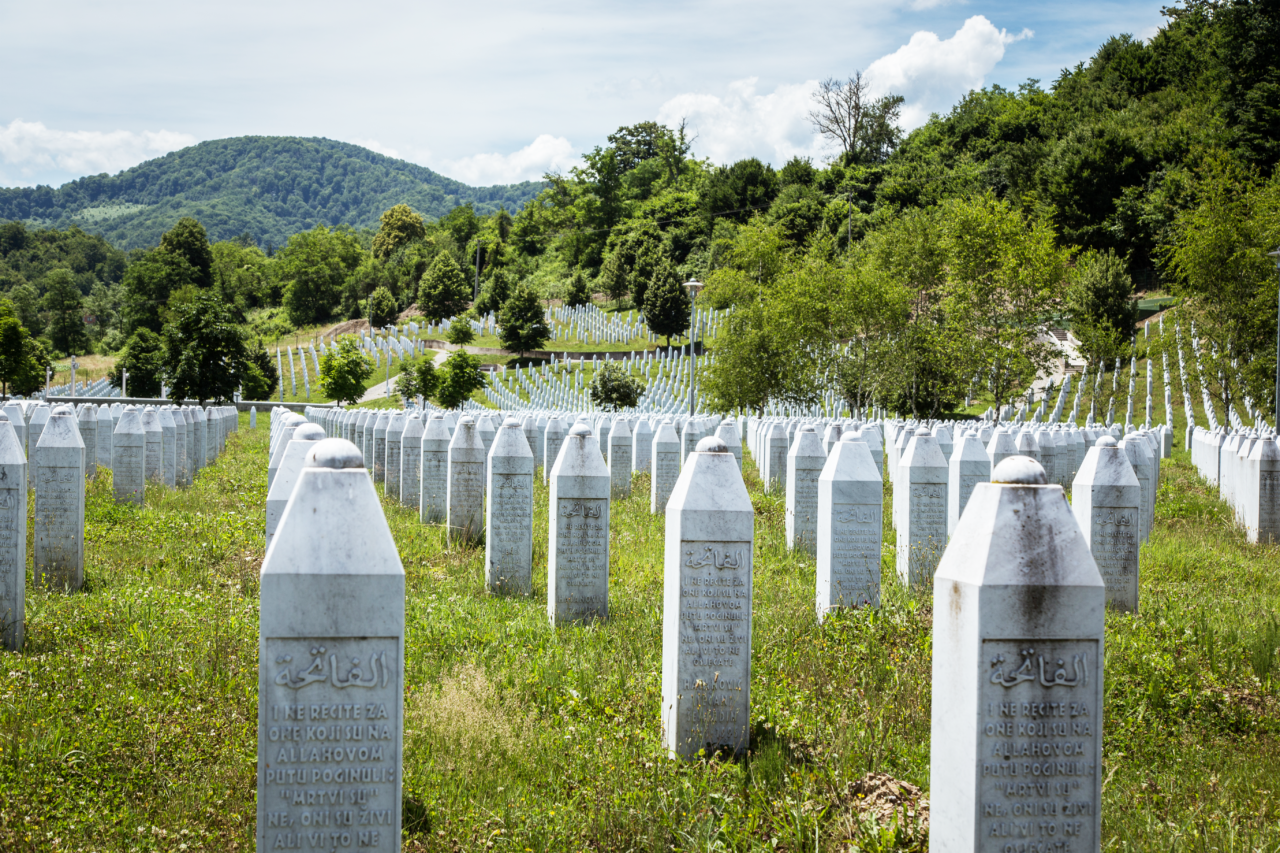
(497, 91)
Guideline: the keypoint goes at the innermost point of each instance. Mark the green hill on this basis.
(268, 186)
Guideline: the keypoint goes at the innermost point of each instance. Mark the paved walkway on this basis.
(380, 391)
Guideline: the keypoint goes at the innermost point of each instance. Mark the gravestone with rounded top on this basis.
(578, 531)
(465, 498)
(968, 467)
(435, 470)
(127, 459)
(13, 537)
(508, 552)
(331, 665)
(620, 461)
(1018, 614)
(706, 609)
(850, 527)
(920, 509)
(804, 463)
(1105, 498)
(59, 509)
(291, 462)
(411, 461)
(664, 465)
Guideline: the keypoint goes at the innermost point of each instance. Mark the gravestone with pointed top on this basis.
(850, 527)
(331, 662)
(394, 447)
(1105, 498)
(168, 447)
(13, 537)
(465, 498)
(727, 432)
(805, 461)
(59, 505)
(36, 419)
(553, 438)
(578, 531)
(435, 470)
(920, 509)
(411, 461)
(508, 553)
(664, 465)
(706, 612)
(1018, 615)
(87, 424)
(969, 466)
(153, 457)
(641, 445)
(380, 446)
(291, 461)
(620, 461)
(128, 446)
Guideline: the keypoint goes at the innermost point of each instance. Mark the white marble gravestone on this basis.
(37, 417)
(331, 666)
(805, 461)
(153, 455)
(850, 527)
(1018, 612)
(553, 438)
(291, 462)
(395, 438)
(920, 509)
(435, 470)
(969, 466)
(253, 417)
(706, 607)
(13, 537)
(1264, 492)
(641, 445)
(127, 460)
(1140, 460)
(168, 447)
(59, 505)
(411, 461)
(199, 429)
(87, 424)
(464, 502)
(727, 432)
(774, 452)
(508, 551)
(380, 446)
(578, 531)
(1105, 498)
(664, 465)
(620, 461)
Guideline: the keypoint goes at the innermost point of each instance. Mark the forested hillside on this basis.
(915, 272)
(268, 187)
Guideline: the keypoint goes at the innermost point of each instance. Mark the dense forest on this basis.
(265, 186)
(914, 270)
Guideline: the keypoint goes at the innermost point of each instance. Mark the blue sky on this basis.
(497, 91)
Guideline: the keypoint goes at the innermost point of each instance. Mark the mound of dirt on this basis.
(351, 327)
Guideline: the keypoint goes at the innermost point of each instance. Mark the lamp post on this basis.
(1276, 255)
(693, 286)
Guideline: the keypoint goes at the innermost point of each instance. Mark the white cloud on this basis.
(774, 127)
(28, 149)
(931, 73)
(545, 154)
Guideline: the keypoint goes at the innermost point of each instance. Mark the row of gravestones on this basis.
(1245, 466)
(1018, 636)
(66, 447)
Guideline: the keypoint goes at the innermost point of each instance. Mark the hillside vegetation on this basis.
(268, 187)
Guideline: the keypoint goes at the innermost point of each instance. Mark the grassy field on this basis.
(129, 721)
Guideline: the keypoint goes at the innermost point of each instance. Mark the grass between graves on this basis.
(128, 723)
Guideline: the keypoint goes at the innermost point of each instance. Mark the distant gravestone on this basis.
(706, 613)
(411, 462)
(395, 437)
(435, 471)
(169, 446)
(552, 440)
(253, 417)
(920, 509)
(728, 433)
(153, 457)
(1018, 613)
(804, 463)
(59, 509)
(578, 535)
(182, 417)
(13, 537)
(620, 461)
(1105, 498)
(291, 463)
(127, 461)
(331, 666)
(87, 423)
(665, 466)
(508, 554)
(850, 527)
(465, 498)
(969, 466)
